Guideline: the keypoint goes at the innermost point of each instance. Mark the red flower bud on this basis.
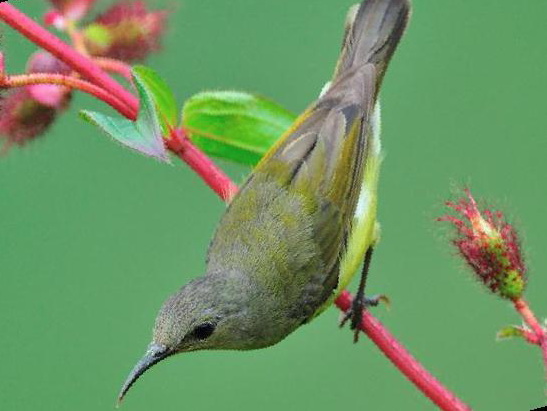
(490, 246)
(127, 31)
(22, 118)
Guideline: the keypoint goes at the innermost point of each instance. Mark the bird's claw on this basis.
(355, 313)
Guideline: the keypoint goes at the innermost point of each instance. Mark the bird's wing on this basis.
(322, 156)
(321, 160)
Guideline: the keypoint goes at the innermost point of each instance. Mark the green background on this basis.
(93, 237)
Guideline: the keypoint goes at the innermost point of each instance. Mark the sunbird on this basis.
(280, 253)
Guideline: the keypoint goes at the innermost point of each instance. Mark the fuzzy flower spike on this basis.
(490, 246)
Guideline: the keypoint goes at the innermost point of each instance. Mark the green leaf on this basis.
(510, 331)
(143, 135)
(162, 95)
(233, 125)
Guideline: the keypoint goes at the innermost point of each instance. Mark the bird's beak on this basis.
(155, 353)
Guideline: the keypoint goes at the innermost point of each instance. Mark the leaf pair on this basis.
(144, 134)
(231, 125)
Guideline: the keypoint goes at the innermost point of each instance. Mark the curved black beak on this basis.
(155, 353)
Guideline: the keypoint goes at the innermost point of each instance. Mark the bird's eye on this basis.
(203, 331)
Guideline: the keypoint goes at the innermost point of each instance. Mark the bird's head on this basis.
(210, 312)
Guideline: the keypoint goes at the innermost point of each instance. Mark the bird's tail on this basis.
(373, 30)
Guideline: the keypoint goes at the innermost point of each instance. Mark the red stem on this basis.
(68, 81)
(82, 64)
(403, 360)
(214, 177)
(530, 337)
(179, 144)
(114, 66)
(222, 185)
(529, 318)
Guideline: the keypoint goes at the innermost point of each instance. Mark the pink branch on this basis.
(68, 81)
(526, 313)
(179, 144)
(82, 64)
(529, 318)
(213, 176)
(403, 360)
(530, 337)
(114, 66)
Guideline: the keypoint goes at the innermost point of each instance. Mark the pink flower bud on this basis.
(127, 31)
(490, 246)
(48, 94)
(43, 62)
(72, 9)
(28, 112)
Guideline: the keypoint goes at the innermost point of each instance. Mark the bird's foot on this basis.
(355, 313)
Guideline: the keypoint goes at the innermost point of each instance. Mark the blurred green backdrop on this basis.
(93, 237)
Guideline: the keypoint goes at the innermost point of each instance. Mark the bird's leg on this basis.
(360, 302)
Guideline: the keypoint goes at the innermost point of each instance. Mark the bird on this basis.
(275, 259)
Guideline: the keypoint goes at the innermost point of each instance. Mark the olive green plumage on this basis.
(274, 261)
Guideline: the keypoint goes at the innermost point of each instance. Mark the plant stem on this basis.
(114, 66)
(82, 64)
(68, 81)
(214, 177)
(529, 318)
(531, 337)
(403, 360)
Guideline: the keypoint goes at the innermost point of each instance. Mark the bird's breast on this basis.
(267, 233)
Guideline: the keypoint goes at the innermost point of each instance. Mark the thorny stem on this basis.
(221, 184)
(530, 319)
(68, 81)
